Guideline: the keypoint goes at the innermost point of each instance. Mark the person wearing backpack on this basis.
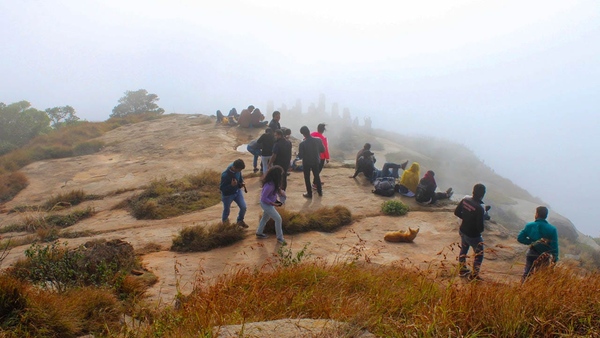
(542, 238)
(470, 211)
(426, 190)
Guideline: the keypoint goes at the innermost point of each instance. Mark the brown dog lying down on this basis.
(401, 236)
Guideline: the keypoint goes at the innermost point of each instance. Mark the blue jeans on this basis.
(256, 153)
(270, 212)
(265, 163)
(238, 198)
(476, 243)
(390, 170)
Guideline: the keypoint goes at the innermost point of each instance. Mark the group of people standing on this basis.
(275, 150)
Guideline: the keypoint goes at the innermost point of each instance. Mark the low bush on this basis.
(326, 219)
(164, 199)
(200, 238)
(394, 208)
(73, 197)
(11, 184)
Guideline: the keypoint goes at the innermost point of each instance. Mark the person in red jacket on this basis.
(324, 156)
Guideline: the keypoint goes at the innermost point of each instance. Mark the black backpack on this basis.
(384, 186)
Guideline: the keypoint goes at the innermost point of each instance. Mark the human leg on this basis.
(478, 255)
(306, 170)
(391, 170)
(239, 200)
(530, 258)
(464, 250)
(284, 178)
(321, 165)
(271, 212)
(317, 179)
(263, 220)
(226, 206)
(265, 163)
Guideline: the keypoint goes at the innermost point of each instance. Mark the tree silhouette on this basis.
(137, 102)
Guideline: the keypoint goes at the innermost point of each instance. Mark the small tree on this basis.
(137, 102)
(60, 116)
(19, 123)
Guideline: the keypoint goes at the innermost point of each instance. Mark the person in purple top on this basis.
(271, 196)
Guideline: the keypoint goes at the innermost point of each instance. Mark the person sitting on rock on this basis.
(245, 117)
(426, 190)
(366, 165)
(410, 180)
(257, 119)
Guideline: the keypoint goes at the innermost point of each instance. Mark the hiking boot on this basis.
(242, 224)
(307, 195)
(403, 165)
(282, 241)
(261, 236)
(449, 192)
(255, 170)
(464, 272)
(475, 277)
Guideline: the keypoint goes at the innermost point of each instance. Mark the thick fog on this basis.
(516, 81)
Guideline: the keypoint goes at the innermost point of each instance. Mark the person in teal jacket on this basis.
(542, 238)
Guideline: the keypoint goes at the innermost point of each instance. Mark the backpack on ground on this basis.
(384, 186)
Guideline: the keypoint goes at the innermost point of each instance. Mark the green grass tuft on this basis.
(394, 208)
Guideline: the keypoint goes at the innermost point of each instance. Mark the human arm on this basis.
(554, 244)
(458, 210)
(268, 195)
(523, 236)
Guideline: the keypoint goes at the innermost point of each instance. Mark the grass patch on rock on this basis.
(164, 199)
(326, 219)
(201, 238)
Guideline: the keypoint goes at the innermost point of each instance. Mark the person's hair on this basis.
(542, 212)
(275, 113)
(478, 191)
(257, 110)
(305, 131)
(275, 175)
(321, 128)
(367, 146)
(268, 130)
(279, 132)
(287, 131)
(250, 107)
(239, 164)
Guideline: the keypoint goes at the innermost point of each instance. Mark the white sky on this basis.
(516, 81)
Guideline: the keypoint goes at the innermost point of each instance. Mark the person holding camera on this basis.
(271, 196)
(231, 183)
(542, 238)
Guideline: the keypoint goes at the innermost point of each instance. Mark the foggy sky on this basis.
(515, 81)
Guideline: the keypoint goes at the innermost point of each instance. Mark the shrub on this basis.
(11, 184)
(164, 199)
(73, 197)
(326, 219)
(200, 238)
(67, 220)
(394, 208)
(87, 147)
(96, 263)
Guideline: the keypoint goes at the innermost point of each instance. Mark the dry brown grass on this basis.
(11, 184)
(394, 301)
(326, 219)
(201, 238)
(164, 199)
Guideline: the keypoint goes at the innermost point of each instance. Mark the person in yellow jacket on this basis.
(410, 180)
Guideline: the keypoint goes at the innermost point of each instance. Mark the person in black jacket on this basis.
(282, 155)
(310, 151)
(266, 142)
(471, 212)
(231, 184)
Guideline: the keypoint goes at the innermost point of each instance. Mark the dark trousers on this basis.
(314, 168)
(321, 165)
(284, 177)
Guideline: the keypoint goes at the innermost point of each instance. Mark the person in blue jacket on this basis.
(542, 238)
(231, 184)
